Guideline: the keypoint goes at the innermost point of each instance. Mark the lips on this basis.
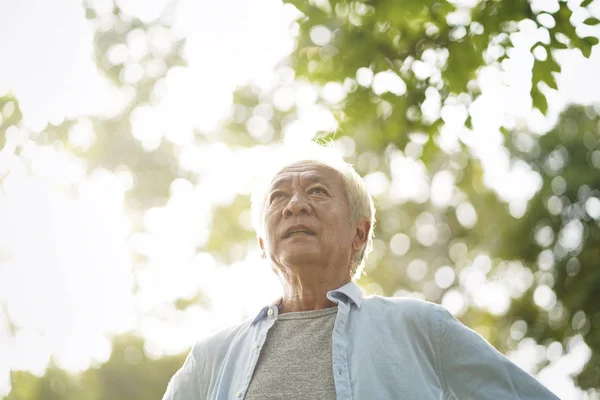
(297, 230)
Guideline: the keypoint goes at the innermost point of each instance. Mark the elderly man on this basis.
(323, 339)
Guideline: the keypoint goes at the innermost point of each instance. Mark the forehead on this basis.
(307, 171)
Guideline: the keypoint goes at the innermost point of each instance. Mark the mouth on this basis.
(297, 231)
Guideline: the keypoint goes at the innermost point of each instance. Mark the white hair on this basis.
(360, 203)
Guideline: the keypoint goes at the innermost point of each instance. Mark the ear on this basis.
(261, 244)
(361, 234)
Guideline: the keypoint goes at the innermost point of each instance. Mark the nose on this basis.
(297, 205)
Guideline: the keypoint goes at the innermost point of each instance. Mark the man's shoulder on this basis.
(403, 309)
(404, 304)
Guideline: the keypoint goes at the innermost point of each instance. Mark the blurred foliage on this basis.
(128, 374)
(10, 114)
(415, 239)
(560, 233)
(401, 37)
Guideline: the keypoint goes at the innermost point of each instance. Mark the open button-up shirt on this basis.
(383, 348)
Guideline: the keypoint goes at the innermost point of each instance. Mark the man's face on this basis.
(306, 218)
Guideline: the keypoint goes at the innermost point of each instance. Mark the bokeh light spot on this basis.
(466, 214)
(571, 235)
(454, 301)
(388, 81)
(544, 297)
(554, 351)
(416, 270)
(81, 134)
(544, 236)
(442, 188)
(554, 205)
(364, 76)
(559, 185)
(333, 92)
(444, 277)
(518, 329)
(399, 244)
(132, 355)
(320, 35)
(545, 260)
(592, 207)
(283, 98)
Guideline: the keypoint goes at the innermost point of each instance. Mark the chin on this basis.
(300, 257)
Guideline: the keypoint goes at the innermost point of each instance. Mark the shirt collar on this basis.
(347, 294)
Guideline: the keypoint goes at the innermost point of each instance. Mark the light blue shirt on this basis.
(383, 348)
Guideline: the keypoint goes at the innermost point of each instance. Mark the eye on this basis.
(276, 196)
(317, 190)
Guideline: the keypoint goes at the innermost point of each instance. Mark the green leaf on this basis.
(559, 45)
(586, 3)
(552, 83)
(586, 45)
(543, 72)
(592, 21)
(547, 77)
(469, 122)
(556, 44)
(539, 100)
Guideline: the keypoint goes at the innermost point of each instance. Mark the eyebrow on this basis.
(311, 178)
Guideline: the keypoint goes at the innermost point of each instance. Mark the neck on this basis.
(308, 291)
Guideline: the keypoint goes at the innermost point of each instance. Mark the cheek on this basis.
(270, 236)
(270, 226)
(338, 233)
(272, 242)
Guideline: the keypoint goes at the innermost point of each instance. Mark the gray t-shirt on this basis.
(295, 361)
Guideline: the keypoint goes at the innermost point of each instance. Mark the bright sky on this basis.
(65, 257)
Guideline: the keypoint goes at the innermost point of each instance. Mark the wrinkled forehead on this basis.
(312, 171)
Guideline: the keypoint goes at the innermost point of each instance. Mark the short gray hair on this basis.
(360, 203)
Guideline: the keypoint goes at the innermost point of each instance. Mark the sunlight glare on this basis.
(455, 302)
(388, 81)
(544, 297)
(409, 178)
(442, 188)
(444, 277)
(82, 284)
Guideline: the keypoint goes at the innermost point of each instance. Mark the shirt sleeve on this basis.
(184, 384)
(472, 369)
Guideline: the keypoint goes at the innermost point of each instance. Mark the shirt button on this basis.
(256, 346)
(270, 312)
(238, 394)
